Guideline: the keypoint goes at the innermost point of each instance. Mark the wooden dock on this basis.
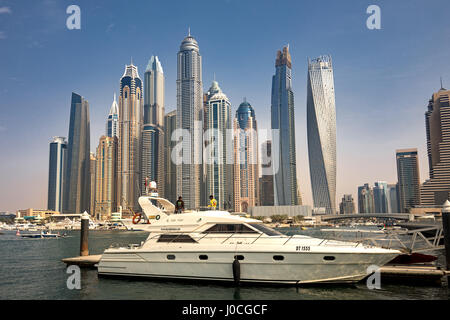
(413, 274)
(83, 261)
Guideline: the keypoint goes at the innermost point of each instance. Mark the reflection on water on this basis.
(32, 269)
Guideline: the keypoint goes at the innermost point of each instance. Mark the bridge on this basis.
(395, 216)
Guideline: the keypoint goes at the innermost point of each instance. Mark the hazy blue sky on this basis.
(383, 78)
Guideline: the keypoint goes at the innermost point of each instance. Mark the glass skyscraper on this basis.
(408, 178)
(77, 182)
(219, 169)
(152, 163)
(283, 120)
(57, 157)
(380, 197)
(365, 199)
(112, 125)
(189, 119)
(321, 127)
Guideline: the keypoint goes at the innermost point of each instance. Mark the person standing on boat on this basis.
(212, 203)
(179, 205)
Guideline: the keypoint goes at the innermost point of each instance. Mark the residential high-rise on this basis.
(170, 169)
(380, 197)
(347, 206)
(152, 165)
(77, 182)
(266, 181)
(321, 127)
(92, 164)
(408, 179)
(189, 120)
(56, 171)
(283, 121)
(393, 204)
(246, 173)
(436, 190)
(105, 178)
(129, 147)
(112, 125)
(365, 199)
(218, 161)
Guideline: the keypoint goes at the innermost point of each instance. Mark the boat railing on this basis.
(418, 240)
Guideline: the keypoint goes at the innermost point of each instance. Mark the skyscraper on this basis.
(105, 177)
(219, 168)
(393, 204)
(321, 127)
(152, 165)
(112, 125)
(56, 172)
(408, 178)
(130, 123)
(266, 182)
(92, 164)
(77, 182)
(436, 190)
(380, 197)
(189, 119)
(347, 206)
(365, 199)
(246, 173)
(283, 120)
(170, 169)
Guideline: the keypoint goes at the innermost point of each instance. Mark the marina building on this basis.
(189, 119)
(347, 205)
(436, 190)
(129, 146)
(246, 160)
(57, 157)
(170, 169)
(283, 121)
(218, 155)
(408, 179)
(112, 124)
(267, 176)
(393, 203)
(321, 128)
(76, 186)
(380, 197)
(105, 178)
(152, 163)
(365, 199)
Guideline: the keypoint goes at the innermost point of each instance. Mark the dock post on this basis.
(446, 229)
(84, 248)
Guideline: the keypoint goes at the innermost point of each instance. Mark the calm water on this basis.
(32, 269)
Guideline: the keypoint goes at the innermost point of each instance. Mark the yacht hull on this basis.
(260, 267)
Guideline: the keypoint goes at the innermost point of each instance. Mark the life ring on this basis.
(137, 217)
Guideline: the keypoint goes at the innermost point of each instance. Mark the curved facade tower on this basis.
(130, 123)
(219, 171)
(189, 119)
(246, 173)
(152, 165)
(283, 120)
(321, 124)
(56, 171)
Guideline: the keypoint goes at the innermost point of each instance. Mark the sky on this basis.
(383, 78)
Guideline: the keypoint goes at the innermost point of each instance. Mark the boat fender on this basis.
(236, 271)
(137, 218)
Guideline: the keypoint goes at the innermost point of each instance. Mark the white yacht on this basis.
(215, 245)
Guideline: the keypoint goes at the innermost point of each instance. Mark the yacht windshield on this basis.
(269, 231)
